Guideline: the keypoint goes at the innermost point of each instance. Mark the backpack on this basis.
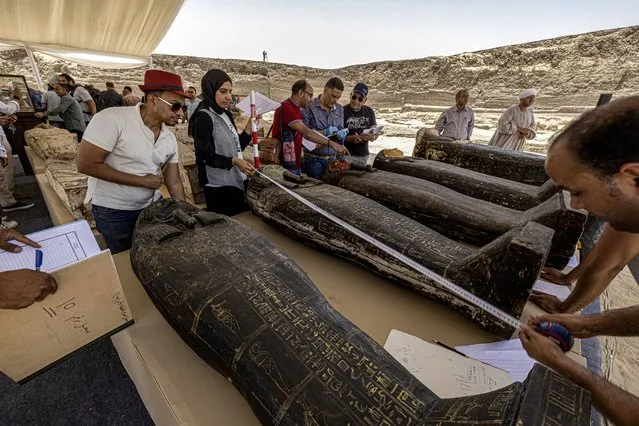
(95, 95)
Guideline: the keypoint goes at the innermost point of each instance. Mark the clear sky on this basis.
(335, 33)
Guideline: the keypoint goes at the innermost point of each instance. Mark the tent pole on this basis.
(34, 65)
(151, 62)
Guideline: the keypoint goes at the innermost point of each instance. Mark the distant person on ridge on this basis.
(128, 97)
(110, 98)
(325, 115)
(457, 122)
(289, 127)
(357, 118)
(516, 124)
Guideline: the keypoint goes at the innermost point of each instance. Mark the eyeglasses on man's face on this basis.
(175, 106)
(357, 98)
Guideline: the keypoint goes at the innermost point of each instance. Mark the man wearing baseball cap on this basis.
(357, 118)
(128, 152)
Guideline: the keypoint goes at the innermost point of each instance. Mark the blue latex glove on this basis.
(341, 134)
(330, 131)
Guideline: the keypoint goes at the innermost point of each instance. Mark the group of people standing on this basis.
(129, 152)
(515, 126)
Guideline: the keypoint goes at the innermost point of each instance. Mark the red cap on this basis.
(164, 81)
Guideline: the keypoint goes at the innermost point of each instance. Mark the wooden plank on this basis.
(37, 162)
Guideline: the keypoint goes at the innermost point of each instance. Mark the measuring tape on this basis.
(556, 331)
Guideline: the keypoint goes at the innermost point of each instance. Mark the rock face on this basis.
(507, 164)
(48, 141)
(70, 186)
(502, 272)
(504, 192)
(461, 217)
(264, 325)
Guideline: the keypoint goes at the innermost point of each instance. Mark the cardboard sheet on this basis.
(177, 387)
(88, 305)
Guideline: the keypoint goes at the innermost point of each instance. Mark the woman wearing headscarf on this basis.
(218, 147)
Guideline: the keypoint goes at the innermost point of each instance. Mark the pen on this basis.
(38, 259)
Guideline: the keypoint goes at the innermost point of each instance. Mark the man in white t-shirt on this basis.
(80, 94)
(125, 151)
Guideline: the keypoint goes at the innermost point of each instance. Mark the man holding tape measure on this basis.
(596, 159)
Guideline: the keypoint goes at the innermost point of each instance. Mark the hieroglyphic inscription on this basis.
(338, 363)
(297, 360)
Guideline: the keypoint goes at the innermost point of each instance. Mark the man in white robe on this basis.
(516, 124)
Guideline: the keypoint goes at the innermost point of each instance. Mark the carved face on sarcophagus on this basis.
(249, 311)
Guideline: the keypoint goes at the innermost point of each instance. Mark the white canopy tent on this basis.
(107, 33)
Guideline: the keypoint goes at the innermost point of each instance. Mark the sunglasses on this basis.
(309, 94)
(357, 98)
(175, 107)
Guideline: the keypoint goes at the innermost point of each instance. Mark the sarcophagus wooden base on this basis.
(461, 217)
(507, 193)
(508, 164)
(262, 323)
(502, 272)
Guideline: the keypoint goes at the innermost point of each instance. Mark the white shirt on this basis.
(83, 96)
(191, 106)
(122, 132)
(9, 108)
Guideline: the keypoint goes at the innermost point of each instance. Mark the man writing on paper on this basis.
(357, 118)
(124, 151)
(516, 124)
(596, 159)
(22, 287)
(324, 114)
(457, 122)
(289, 127)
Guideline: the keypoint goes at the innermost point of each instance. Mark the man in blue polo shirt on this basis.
(325, 115)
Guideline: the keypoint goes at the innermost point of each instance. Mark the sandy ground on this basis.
(620, 355)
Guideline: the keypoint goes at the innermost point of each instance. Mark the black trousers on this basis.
(226, 200)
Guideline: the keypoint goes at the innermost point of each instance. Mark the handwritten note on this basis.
(445, 372)
(70, 313)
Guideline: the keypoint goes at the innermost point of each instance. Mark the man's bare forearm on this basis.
(615, 403)
(176, 190)
(610, 255)
(109, 174)
(616, 322)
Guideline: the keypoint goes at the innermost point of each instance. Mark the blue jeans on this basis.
(314, 167)
(296, 171)
(116, 227)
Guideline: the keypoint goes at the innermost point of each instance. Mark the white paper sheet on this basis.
(505, 345)
(308, 144)
(517, 363)
(376, 130)
(262, 104)
(61, 246)
(561, 291)
(445, 372)
(573, 262)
